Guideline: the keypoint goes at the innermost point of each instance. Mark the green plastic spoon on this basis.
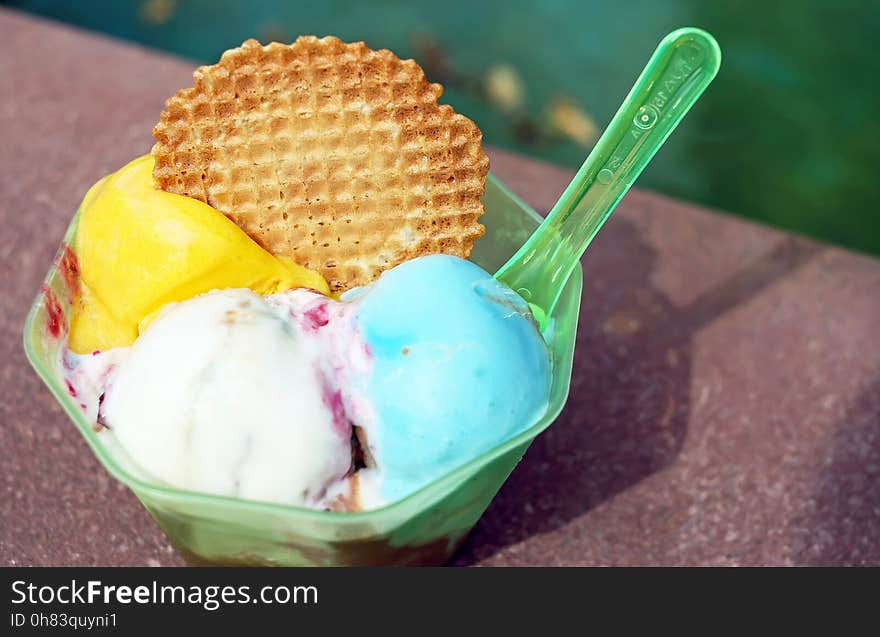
(681, 68)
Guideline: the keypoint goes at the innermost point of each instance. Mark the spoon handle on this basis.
(680, 69)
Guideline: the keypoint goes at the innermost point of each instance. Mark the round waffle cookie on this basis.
(332, 154)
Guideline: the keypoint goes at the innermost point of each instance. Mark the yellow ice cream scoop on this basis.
(140, 248)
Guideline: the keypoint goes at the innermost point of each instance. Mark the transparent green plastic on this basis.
(424, 528)
(681, 68)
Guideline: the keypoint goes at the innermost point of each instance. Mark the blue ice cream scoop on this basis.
(459, 366)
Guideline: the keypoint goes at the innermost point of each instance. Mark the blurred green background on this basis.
(786, 135)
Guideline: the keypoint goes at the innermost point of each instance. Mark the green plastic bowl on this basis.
(424, 528)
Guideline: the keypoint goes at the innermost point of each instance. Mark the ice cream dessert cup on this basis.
(423, 528)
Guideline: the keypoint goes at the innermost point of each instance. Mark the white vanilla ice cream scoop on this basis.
(221, 394)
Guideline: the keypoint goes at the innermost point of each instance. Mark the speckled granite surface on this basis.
(725, 404)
